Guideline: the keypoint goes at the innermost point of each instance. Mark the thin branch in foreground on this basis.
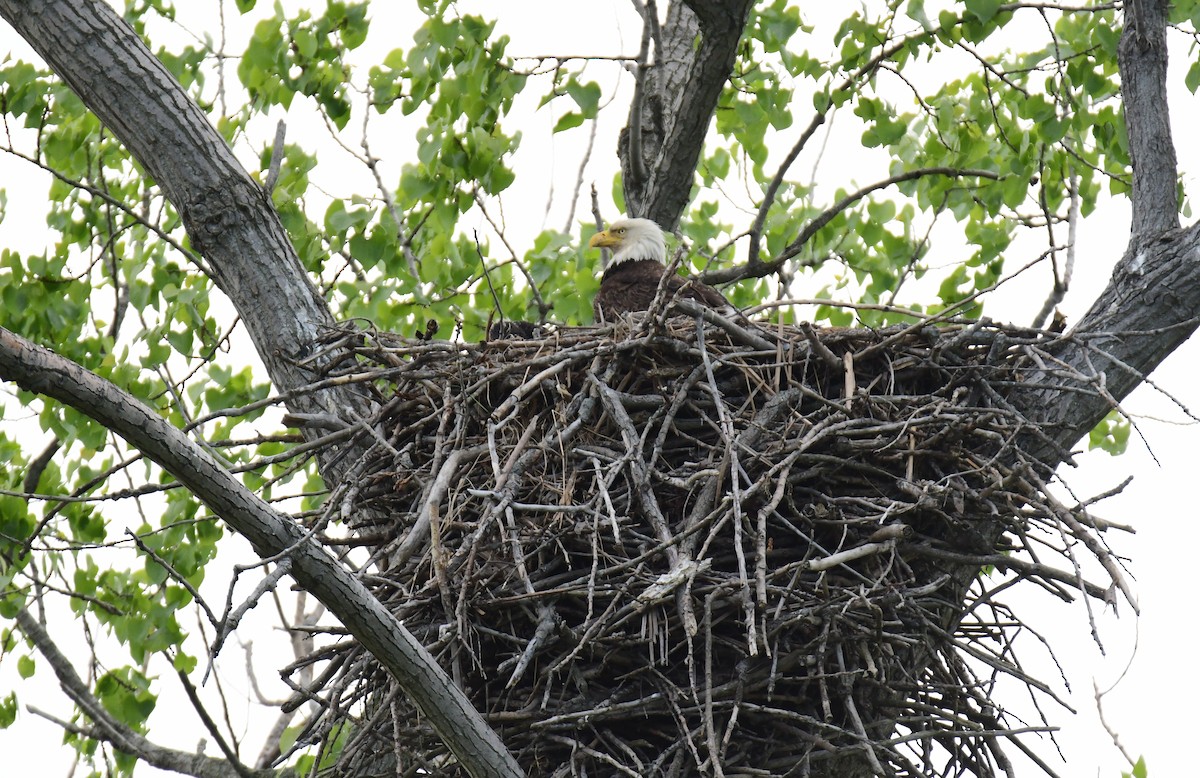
(762, 269)
(117, 734)
(276, 157)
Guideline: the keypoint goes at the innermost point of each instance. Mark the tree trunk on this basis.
(675, 103)
(230, 219)
(1152, 301)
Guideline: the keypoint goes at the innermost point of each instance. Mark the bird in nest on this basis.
(638, 263)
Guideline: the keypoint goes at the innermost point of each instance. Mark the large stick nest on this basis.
(658, 548)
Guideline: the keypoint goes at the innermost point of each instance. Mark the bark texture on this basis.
(228, 216)
(1152, 302)
(1149, 308)
(675, 104)
(1150, 305)
(231, 221)
(39, 370)
(1142, 58)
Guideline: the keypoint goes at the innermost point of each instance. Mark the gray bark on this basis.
(1150, 306)
(106, 727)
(460, 726)
(228, 216)
(678, 98)
(1142, 59)
(1152, 302)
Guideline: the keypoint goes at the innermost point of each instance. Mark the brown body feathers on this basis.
(638, 264)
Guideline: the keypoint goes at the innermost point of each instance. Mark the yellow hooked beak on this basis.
(603, 240)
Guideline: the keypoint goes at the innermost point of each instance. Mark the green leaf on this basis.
(1111, 434)
(983, 10)
(184, 663)
(1192, 79)
(126, 694)
(1139, 769)
(568, 121)
(8, 710)
(586, 96)
(26, 666)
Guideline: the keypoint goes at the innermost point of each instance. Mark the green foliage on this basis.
(1111, 434)
(304, 55)
(8, 710)
(328, 758)
(17, 523)
(1033, 121)
(457, 79)
(1139, 769)
(125, 693)
(586, 97)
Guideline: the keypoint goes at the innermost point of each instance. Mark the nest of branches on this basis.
(673, 546)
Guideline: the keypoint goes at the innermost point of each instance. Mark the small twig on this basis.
(211, 726)
(233, 616)
(276, 157)
(818, 346)
(176, 575)
(547, 619)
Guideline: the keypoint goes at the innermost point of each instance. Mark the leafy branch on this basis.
(761, 269)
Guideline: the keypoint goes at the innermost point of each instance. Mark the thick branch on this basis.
(677, 101)
(1142, 58)
(228, 216)
(1150, 307)
(1152, 302)
(460, 726)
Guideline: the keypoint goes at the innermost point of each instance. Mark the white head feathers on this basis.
(632, 239)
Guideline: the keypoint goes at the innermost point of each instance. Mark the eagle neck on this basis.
(631, 266)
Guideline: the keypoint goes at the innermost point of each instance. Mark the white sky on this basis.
(1153, 702)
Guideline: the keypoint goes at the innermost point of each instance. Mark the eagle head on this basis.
(632, 239)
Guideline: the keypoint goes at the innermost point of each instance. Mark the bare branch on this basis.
(276, 157)
(761, 269)
(228, 216)
(773, 188)
(117, 734)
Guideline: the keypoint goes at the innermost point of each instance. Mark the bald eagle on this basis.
(639, 261)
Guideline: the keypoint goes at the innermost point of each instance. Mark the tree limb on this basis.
(451, 714)
(228, 216)
(117, 734)
(759, 269)
(1150, 306)
(1152, 302)
(1142, 59)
